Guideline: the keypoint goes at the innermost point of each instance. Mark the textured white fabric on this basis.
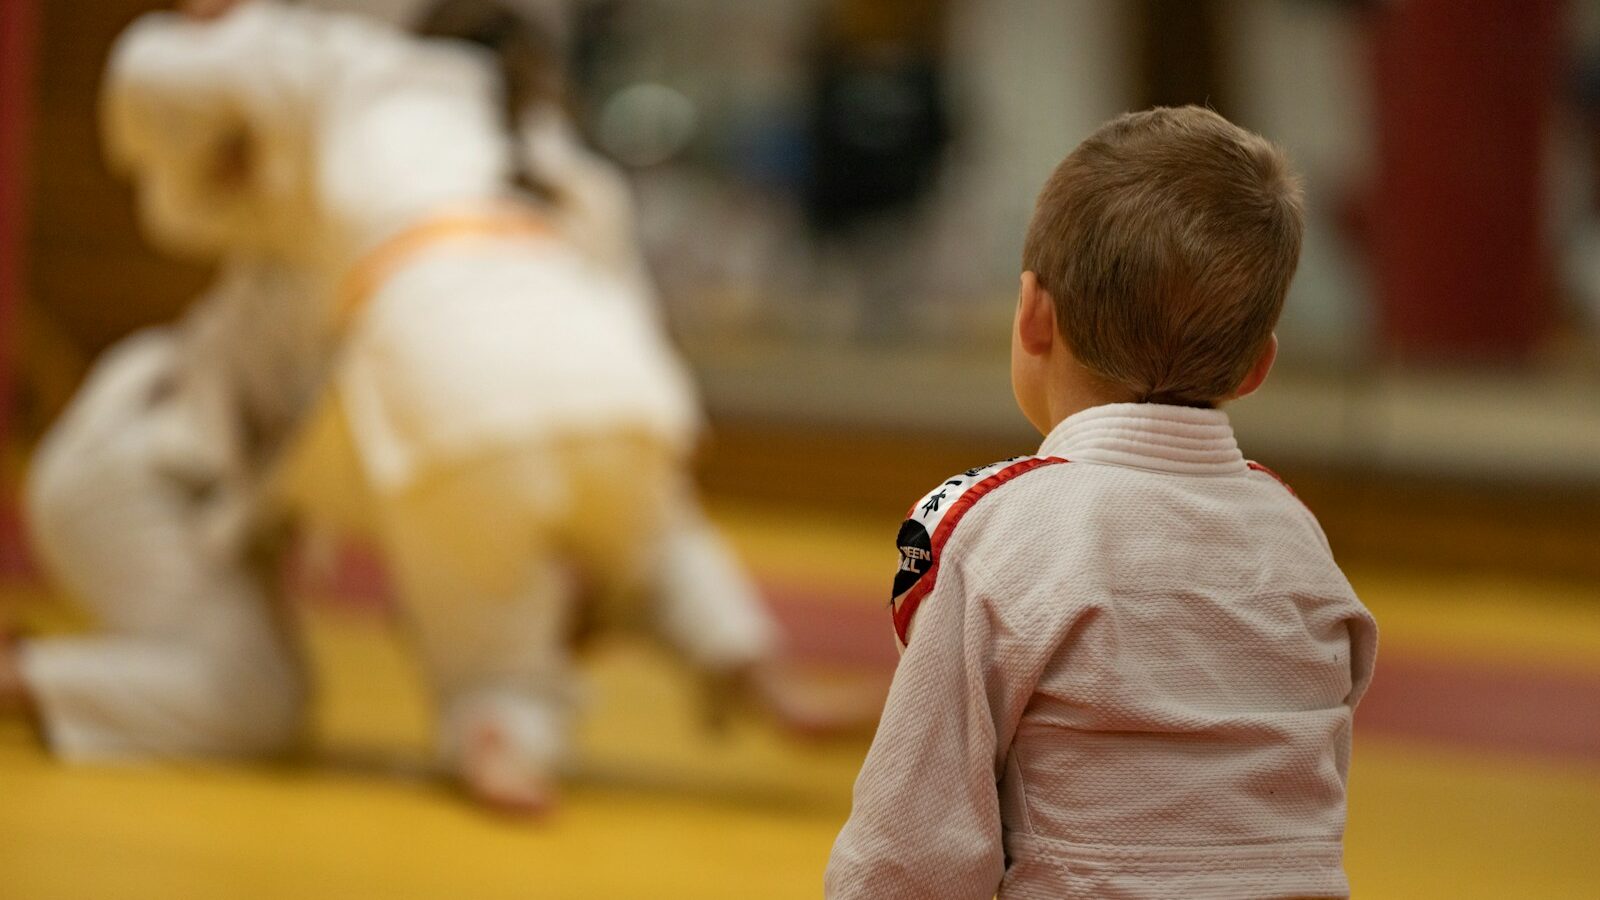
(121, 498)
(468, 366)
(468, 347)
(483, 344)
(488, 562)
(353, 128)
(1134, 677)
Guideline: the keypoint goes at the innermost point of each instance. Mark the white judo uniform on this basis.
(1130, 670)
(501, 411)
(135, 503)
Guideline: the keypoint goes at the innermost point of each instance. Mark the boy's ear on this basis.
(1258, 372)
(1036, 317)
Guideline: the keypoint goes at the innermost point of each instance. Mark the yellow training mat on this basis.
(660, 809)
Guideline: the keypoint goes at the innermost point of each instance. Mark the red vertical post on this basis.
(1464, 99)
(17, 36)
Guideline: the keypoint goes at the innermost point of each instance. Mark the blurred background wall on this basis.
(834, 192)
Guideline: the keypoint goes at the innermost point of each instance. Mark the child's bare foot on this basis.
(499, 775)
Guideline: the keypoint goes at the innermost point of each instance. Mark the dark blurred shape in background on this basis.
(1465, 107)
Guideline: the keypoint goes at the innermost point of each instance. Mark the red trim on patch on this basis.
(908, 607)
(1258, 467)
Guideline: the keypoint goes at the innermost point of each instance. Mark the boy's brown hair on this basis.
(1167, 240)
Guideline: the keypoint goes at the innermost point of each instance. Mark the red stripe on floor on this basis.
(1488, 706)
(1465, 702)
(839, 628)
(1462, 702)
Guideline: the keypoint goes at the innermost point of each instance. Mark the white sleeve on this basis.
(925, 822)
(706, 606)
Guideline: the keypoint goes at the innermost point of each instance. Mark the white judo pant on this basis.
(189, 658)
(502, 560)
(494, 562)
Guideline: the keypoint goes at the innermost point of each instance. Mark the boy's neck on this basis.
(1076, 389)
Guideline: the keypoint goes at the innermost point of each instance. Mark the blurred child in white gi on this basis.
(502, 411)
(134, 503)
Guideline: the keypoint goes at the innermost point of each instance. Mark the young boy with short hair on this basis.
(1130, 662)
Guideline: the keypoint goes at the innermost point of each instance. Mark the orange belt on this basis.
(378, 265)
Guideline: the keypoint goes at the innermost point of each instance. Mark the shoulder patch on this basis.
(928, 526)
